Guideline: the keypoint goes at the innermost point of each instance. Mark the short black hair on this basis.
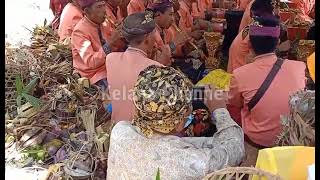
(265, 44)
(262, 7)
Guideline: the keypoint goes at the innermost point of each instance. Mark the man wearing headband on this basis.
(239, 49)
(135, 6)
(71, 15)
(138, 29)
(256, 8)
(162, 100)
(91, 41)
(260, 91)
(168, 42)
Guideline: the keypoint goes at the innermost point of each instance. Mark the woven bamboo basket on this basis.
(17, 64)
(240, 173)
(299, 125)
(213, 42)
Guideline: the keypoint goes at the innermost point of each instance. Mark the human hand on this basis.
(215, 99)
(181, 38)
(163, 56)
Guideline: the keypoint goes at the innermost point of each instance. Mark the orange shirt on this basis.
(70, 16)
(114, 17)
(135, 6)
(262, 124)
(87, 52)
(205, 4)
(197, 12)
(243, 4)
(238, 51)
(186, 19)
(131, 62)
(306, 9)
(246, 18)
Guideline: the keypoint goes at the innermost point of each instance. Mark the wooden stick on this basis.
(179, 30)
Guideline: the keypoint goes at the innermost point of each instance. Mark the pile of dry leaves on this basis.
(54, 119)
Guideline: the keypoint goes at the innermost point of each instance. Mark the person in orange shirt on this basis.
(306, 9)
(264, 7)
(239, 49)
(138, 29)
(186, 19)
(70, 17)
(168, 42)
(261, 117)
(135, 6)
(91, 41)
(113, 11)
(243, 4)
(56, 7)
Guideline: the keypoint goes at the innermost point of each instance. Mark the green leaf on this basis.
(19, 100)
(158, 174)
(35, 102)
(19, 85)
(30, 87)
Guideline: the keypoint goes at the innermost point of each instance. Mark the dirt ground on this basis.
(22, 14)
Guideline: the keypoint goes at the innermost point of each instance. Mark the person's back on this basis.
(123, 69)
(260, 114)
(138, 148)
(263, 122)
(70, 17)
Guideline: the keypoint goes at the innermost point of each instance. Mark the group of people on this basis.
(129, 48)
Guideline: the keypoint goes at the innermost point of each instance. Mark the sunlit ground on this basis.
(24, 13)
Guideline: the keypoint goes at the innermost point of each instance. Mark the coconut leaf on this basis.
(158, 174)
(30, 87)
(19, 100)
(19, 85)
(35, 102)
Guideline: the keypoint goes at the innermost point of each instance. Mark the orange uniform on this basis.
(243, 4)
(70, 17)
(114, 16)
(306, 8)
(246, 18)
(205, 4)
(131, 62)
(135, 6)
(88, 55)
(186, 19)
(262, 123)
(238, 51)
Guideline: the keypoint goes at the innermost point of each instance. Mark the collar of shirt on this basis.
(91, 22)
(263, 57)
(137, 50)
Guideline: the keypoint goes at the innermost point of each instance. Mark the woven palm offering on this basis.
(213, 42)
(297, 28)
(299, 125)
(241, 173)
(17, 64)
(305, 49)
